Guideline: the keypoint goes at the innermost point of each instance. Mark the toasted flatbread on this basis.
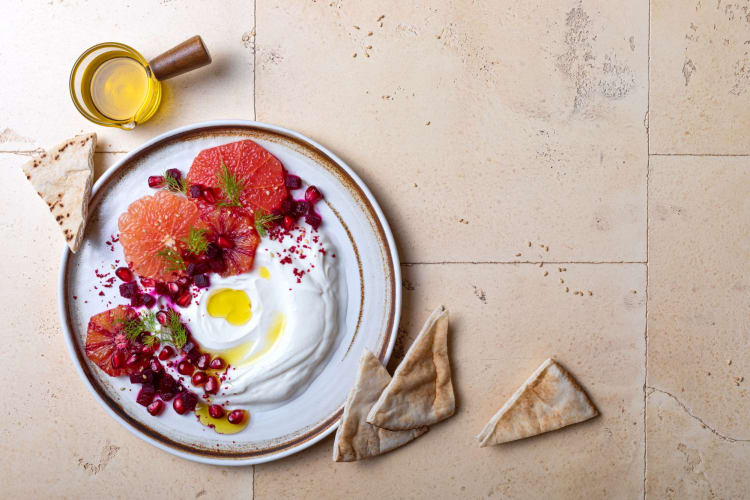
(355, 438)
(62, 178)
(421, 392)
(550, 399)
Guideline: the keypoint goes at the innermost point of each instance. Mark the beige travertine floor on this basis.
(613, 132)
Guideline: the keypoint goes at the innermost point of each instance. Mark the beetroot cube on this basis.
(146, 395)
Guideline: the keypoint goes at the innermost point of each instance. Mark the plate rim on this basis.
(66, 255)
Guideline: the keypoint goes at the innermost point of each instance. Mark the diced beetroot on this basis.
(156, 181)
(124, 274)
(292, 181)
(191, 352)
(129, 290)
(216, 411)
(174, 173)
(312, 194)
(195, 191)
(145, 377)
(161, 288)
(167, 387)
(148, 300)
(156, 407)
(136, 300)
(184, 282)
(301, 208)
(313, 219)
(213, 251)
(287, 206)
(202, 281)
(146, 395)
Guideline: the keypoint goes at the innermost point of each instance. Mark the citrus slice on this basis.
(260, 173)
(235, 234)
(108, 347)
(152, 229)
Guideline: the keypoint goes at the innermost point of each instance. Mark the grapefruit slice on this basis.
(235, 234)
(153, 225)
(260, 173)
(108, 347)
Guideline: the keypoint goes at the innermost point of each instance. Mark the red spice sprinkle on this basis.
(75, 297)
(101, 294)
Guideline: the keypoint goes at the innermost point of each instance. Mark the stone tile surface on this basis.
(687, 458)
(495, 123)
(505, 320)
(40, 41)
(699, 279)
(55, 439)
(700, 76)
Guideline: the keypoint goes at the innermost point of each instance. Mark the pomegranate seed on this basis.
(216, 364)
(292, 181)
(150, 349)
(118, 359)
(162, 317)
(224, 242)
(184, 299)
(132, 359)
(156, 407)
(314, 220)
(184, 367)
(196, 191)
(199, 378)
(148, 282)
(236, 416)
(288, 222)
(287, 206)
(209, 196)
(216, 411)
(156, 181)
(174, 173)
(179, 405)
(145, 395)
(124, 274)
(312, 194)
(155, 366)
(166, 353)
(212, 385)
(203, 361)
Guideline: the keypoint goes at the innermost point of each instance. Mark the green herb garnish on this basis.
(173, 332)
(196, 241)
(134, 327)
(174, 184)
(177, 329)
(172, 259)
(263, 221)
(231, 186)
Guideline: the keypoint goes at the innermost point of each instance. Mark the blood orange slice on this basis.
(261, 173)
(109, 348)
(152, 226)
(235, 234)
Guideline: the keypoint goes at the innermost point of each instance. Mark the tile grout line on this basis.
(708, 155)
(513, 262)
(255, 51)
(648, 176)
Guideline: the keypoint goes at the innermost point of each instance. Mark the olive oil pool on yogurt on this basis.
(120, 89)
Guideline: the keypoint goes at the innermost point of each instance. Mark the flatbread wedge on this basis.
(355, 438)
(549, 400)
(421, 392)
(62, 177)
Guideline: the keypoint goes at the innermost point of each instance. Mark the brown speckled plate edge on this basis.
(351, 182)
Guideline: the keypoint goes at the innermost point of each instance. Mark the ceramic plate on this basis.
(369, 309)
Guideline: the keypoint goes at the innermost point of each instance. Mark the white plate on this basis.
(367, 260)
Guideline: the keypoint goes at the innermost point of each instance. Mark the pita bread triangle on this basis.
(550, 399)
(355, 438)
(421, 392)
(62, 177)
